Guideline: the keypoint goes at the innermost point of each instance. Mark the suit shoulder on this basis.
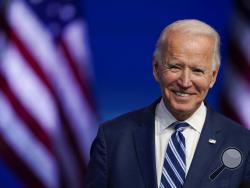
(230, 125)
(127, 120)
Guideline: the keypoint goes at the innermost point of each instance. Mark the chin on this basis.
(183, 109)
(183, 106)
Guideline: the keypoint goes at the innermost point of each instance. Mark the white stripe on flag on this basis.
(29, 89)
(76, 108)
(75, 36)
(239, 95)
(70, 167)
(54, 65)
(45, 53)
(26, 146)
(35, 37)
(52, 62)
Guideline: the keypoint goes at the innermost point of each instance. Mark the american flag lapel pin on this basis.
(212, 141)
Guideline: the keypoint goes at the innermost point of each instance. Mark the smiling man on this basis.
(186, 64)
(177, 141)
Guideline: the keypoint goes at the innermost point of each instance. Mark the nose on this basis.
(184, 80)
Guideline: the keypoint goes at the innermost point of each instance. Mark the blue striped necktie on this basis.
(174, 167)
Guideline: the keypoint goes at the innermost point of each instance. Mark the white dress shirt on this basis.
(163, 118)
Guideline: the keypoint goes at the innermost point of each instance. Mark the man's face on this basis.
(186, 73)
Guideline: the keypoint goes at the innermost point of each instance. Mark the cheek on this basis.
(202, 85)
(167, 78)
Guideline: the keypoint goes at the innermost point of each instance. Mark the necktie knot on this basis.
(180, 126)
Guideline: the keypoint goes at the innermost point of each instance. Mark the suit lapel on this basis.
(145, 147)
(205, 151)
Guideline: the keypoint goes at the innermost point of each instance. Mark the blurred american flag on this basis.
(47, 115)
(236, 99)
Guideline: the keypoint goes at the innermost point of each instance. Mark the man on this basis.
(177, 141)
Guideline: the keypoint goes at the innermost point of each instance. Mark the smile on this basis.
(181, 94)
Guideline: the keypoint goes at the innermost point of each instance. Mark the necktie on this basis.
(174, 167)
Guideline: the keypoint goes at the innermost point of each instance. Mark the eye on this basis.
(198, 71)
(174, 68)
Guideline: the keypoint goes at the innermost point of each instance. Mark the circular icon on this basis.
(231, 159)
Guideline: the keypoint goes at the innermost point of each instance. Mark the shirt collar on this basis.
(165, 118)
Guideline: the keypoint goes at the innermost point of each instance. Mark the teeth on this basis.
(181, 94)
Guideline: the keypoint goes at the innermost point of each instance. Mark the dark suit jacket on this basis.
(123, 153)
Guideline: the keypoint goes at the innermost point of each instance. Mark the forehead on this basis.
(190, 45)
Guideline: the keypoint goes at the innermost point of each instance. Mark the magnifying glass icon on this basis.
(231, 159)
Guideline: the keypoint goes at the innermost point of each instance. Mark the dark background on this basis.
(122, 38)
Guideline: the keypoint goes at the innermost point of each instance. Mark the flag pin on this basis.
(212, 141)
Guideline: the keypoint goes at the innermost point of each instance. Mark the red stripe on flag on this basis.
(23, 113)
(31, 61)
(74, 145)
(80, 78)
(34, 64)
(18, 166)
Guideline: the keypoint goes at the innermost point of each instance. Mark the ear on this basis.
(214, 76)
(155, 70)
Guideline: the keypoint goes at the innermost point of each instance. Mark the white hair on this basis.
(190, 26)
